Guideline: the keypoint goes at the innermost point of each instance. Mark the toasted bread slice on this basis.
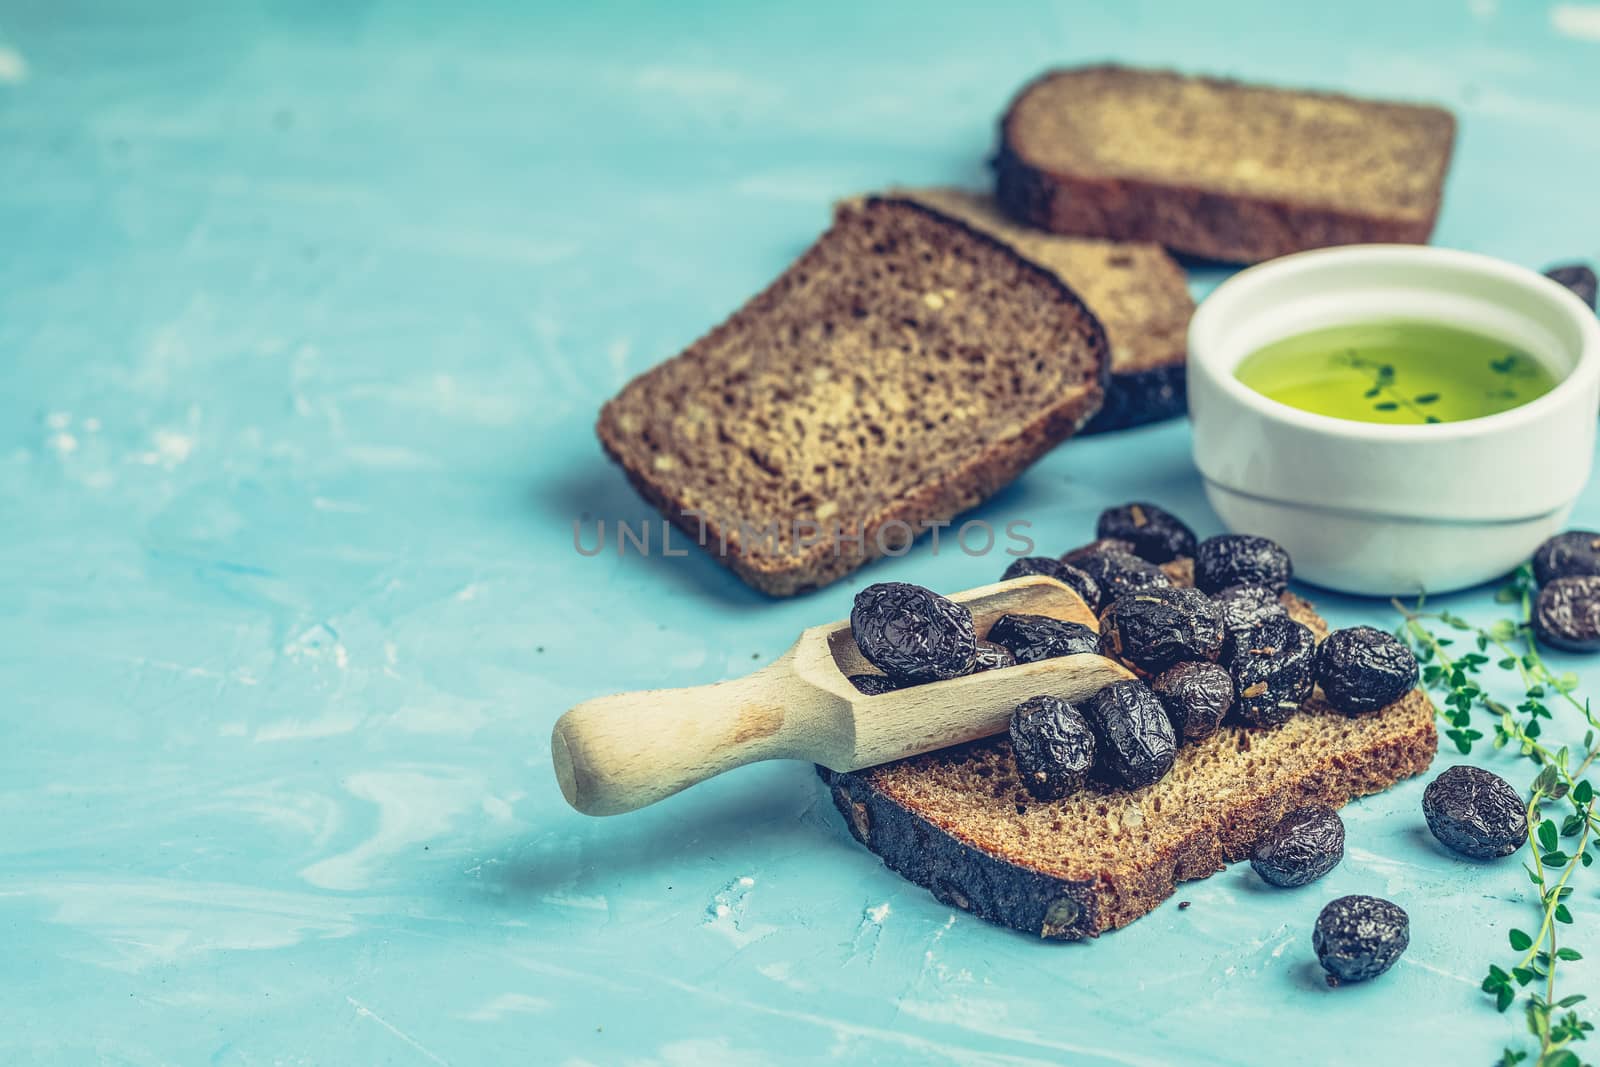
(1219, 168)
(1134, 288)
(903, 369)
(960, 823)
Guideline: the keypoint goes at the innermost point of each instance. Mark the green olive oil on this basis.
(1402, 373)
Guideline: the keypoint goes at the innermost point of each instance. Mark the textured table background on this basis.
(305, 312)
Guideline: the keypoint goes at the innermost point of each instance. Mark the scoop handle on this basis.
(619, 753)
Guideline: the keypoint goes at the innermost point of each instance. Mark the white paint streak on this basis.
(13, 67)
(581, 903)
(331, 724)
(339, 507)
(935, 1048)
(693, 82)
(507, 1004)
(412, 807)
(172, 447)
(726, 913)
(390, 457)
(367, 1013)
(618, 352)
(795, 187)
(160, 921)
(1411, 961)
(1581, 22)
(64, 443)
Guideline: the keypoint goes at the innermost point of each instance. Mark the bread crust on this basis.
(963, 874)
(1192, 220)
(984, 472)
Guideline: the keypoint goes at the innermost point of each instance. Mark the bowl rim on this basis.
(1210, 318)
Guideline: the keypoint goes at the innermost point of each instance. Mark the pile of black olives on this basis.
(1224, 650)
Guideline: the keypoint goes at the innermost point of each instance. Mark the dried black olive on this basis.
(1155, 534)
(1196, 696)
(1132, 732)
(1578, 277)
(1359, 937)
(1475, 813)
(1567, 555)
(913, 634)
(992, 657)
(1241, 559)
(1363, 669)
(1306, 844)
(873, 684)
(1053, 745)
(1153, 629)
(1031, 638)
(1271, 681)
(1567, 614)
(1115, 573)
(1066, 573)
(1095, 548)
(1245, 609)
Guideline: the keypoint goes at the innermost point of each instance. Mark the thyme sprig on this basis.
(1384, 392)
(1558, 790)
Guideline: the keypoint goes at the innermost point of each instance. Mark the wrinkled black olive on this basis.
(1095, 548)
(1306, 844)
(1031, 638)
(913, 634)
(1155, 534)
(992, 657)
(1567, 614)
(1363, 669)
(1074, 578)
(1475, 813)
(1153, 629)
(1245, 609)
(873, 684)
(1241, 559)
(1578, 277)
(1196, 696)
(1358, 937)
(1567, 555)
(1053, 745)
(1116, 573)
(1132, 733)
(1270, 682)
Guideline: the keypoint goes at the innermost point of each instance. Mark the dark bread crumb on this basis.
(905, 367)
(1137, 291)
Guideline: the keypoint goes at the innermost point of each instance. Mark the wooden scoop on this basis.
(618, 753)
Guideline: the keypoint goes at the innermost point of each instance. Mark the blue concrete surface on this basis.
(306, 311)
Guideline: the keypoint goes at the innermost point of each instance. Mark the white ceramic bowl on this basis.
(1384, 510)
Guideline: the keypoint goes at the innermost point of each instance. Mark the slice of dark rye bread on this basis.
(959, 822)
(903, 369)
(1137, 291)
(1219, 168)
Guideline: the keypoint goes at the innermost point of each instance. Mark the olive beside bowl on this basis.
(1384, 510)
